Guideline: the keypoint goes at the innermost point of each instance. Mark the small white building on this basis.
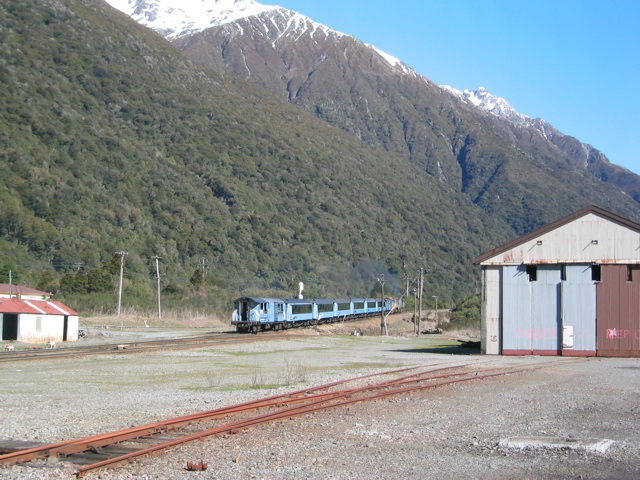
(569, 288)
(36, 319)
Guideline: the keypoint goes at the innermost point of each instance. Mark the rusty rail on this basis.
(314, 404)
(73, 446)
(304, 401)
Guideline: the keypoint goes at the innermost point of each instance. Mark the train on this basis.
(254, 314)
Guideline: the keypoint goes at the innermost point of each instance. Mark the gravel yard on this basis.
(450, 432)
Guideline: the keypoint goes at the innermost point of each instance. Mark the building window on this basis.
(563, 273)
(631, 269)
(596, 273)
(532, 271)
(38, 323)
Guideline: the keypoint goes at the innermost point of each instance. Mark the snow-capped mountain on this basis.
(360, 89)
(485, 100)
(175, 19)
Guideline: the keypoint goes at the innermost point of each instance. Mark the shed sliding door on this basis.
(579, 310)
(531, 310)
(618, 327)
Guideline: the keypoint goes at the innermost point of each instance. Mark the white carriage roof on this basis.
(305, 300)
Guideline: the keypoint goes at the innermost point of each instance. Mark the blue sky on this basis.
(574, 63)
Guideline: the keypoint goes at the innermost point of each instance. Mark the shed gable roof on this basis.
(36, 307)
(513, 245)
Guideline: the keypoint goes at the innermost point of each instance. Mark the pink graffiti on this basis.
(537, 334)
(620, 334)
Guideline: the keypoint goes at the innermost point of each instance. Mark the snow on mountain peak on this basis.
(175, 19)
(493, 104)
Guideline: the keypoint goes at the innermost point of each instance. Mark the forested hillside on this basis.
(112, 141)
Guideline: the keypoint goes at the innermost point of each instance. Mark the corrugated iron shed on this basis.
(590, 235)
(36, 307)
(569, 288)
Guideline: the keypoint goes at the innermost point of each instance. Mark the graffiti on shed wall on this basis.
(620, 334)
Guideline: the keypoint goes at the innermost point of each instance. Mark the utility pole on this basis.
(383, 320)
(415, 307)
(420, 289)
(436, 297)
(204, 265)
(158, 276)
(406, 277)
(122, 255)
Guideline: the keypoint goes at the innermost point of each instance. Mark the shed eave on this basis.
(591, 209)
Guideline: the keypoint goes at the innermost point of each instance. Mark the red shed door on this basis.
(618, 312)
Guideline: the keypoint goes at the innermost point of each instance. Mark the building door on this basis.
(545, 323)
(531, 321)
(516, 311)
(579, 310)
(10, 326)
(65, 328)
(618, 311)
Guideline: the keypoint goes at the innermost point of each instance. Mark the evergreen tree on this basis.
(4, 273)
(198, 279)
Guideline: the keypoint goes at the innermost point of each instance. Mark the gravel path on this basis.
(449, 432)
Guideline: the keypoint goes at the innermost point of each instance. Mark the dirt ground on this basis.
(459, 431)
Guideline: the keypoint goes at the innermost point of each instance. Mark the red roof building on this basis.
(37, 321)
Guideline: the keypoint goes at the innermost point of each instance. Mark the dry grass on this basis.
(132, 320)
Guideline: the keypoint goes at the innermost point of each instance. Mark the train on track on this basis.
(253, 314)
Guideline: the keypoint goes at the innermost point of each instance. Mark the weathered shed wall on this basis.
(73, 327)
(618, 330)
(40, 328)
(590, 239)
(491, 306)
(579, 309)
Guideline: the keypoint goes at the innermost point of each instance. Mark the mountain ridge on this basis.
(263, 20)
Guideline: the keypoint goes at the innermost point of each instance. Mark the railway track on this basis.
(124, 446)
(134, 347)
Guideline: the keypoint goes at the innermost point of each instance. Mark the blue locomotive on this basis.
(253, 314)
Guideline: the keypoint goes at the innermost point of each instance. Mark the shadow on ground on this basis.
(444, 350)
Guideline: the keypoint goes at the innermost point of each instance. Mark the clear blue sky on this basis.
(574, 63)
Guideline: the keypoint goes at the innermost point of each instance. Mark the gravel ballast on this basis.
(448, 432)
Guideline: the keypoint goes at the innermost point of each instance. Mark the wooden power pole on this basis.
(158, 276)
(122, 255)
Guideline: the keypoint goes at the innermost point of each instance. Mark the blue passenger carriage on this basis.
(254, 314)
